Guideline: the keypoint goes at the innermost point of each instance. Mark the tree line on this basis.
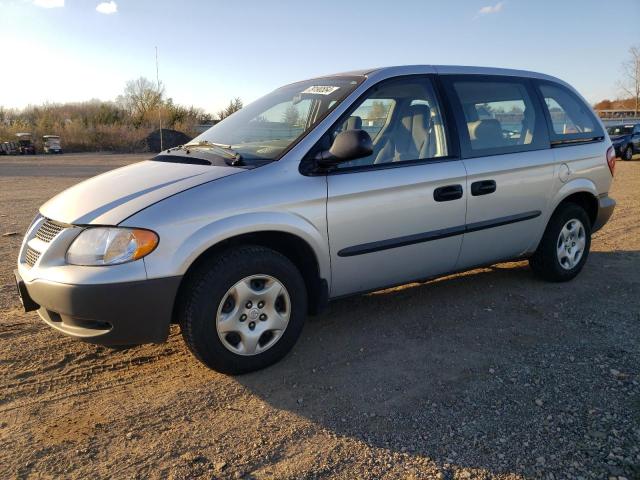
(120, 125)
(123, 124)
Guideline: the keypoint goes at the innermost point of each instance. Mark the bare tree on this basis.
(630, 81)
(141, 96)
(234, 105)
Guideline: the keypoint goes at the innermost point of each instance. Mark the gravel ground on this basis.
(486, 374)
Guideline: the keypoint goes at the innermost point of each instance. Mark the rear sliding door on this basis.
(510, 167)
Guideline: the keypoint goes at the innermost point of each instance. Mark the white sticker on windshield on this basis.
(321, 90)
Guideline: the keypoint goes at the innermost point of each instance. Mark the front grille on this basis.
(31, 256)
(48, 230)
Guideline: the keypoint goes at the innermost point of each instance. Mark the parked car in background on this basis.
(51, 144)
(371, 179)
(625, 139)
(11, 148)
(25, 144)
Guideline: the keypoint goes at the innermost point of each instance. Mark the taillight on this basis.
(611, 160)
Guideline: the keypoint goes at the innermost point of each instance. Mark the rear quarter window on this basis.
(568, 117)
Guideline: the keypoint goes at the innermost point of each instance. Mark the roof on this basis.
(461, 70)
(382, 73)
(443, 70)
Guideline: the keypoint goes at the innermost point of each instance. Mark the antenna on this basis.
(159, 109)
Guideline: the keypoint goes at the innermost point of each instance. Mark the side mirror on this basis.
(348, 145)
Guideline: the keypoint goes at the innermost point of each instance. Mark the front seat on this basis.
(410, 139)
(526, 132)
(354, 122)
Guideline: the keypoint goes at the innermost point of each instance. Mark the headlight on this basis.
(111, 246)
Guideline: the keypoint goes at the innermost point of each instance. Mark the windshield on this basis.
(266, 128)
(620, 130)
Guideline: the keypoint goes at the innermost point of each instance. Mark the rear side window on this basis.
(497, 115)
(570, 119)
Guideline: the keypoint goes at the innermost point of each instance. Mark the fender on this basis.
(577, 185)
(213, 233)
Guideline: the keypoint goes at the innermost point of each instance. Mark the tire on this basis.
(546, 261)
(628, 153)
(217, 293)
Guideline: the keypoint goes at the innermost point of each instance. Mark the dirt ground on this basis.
(487, 374)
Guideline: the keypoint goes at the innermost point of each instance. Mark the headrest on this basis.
(353, 123)
(486, 133)
(417, 116)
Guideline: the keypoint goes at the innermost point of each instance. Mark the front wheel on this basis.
(565, 245)
(243, 310)
(628, 153)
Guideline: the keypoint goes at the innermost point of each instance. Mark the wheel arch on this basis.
(304, 250)
(582, 193)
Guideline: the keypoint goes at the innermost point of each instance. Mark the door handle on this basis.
(447, 193)
(483, 187)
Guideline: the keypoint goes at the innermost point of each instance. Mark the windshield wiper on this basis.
(232, 157)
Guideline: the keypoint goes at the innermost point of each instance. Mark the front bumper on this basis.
(127, 313)
(606, 205)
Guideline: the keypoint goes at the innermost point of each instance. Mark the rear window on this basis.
(570, 118)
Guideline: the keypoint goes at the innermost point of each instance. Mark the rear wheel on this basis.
(565, 245)
(243, 310)
(628, 153)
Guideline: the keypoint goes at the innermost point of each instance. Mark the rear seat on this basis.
(486, 134)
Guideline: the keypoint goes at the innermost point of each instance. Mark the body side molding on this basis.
(435, 234)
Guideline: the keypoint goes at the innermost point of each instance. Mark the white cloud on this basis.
(49, 3)
(107, 7)
(489, 9)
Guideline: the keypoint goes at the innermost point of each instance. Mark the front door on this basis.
(397, 215)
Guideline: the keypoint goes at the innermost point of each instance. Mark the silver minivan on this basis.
(323, 188)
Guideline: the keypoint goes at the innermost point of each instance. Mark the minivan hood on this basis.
(110, 198)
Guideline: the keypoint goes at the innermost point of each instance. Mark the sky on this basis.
(213, 50)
